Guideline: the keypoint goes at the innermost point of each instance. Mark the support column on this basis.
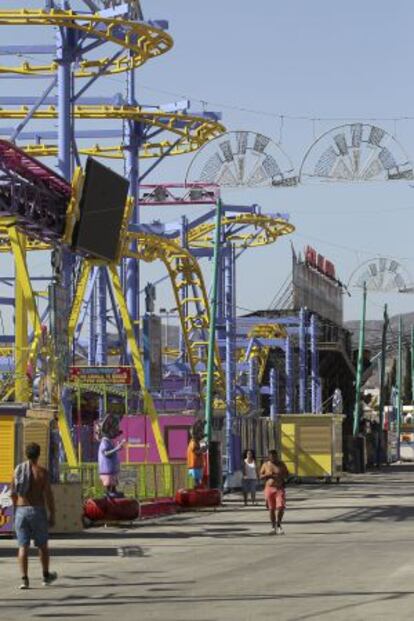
(253, 396)
(399, 385)
(132, 265)
(183, 290)
(302, 361)
(315, 380)
(92, 329)
(64, 47)
(230, 356)
(102, 341)
(213, 324)
(380, 447)
(21, 357)
(289, 376)
(274, 393)
(102, 344)
(360, 365)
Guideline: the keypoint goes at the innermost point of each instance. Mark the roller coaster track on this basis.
(139, 40)
(265, 331)
(184, 272)
(190, 132)
(182, 267)
(243, 230)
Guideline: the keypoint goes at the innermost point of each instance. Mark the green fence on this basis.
(143, 481)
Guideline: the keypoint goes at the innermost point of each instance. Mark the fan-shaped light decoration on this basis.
(381, 274)
(356, 152)
(241, 158)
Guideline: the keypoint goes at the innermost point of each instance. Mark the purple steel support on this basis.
(302, 361)
(133, 139)
(64, 93)
(315, 380)
(184, 289)
(118, 320)
(102, 345)
(230, 356)
(102, 341)
(92, 329)
(132, 265)
(289, 376)
(221, 295)
(253, 396)
(274, 393)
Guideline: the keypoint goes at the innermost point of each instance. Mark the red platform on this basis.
(158, 507)
(200, 497)
(111, 509)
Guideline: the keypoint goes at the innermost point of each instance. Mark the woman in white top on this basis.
(250, 476)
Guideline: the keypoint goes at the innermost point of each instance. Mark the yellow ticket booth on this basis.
(11, 439)
(311, 445)
(18, 427)
(37, 428)
(11, 453)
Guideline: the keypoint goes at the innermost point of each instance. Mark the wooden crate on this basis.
(69, 507)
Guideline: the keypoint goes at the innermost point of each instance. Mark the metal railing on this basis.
(143, 481)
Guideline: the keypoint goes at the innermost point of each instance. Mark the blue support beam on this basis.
(274, 393)
(289, 370)
(302, 361)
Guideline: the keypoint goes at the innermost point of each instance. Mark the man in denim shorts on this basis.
(31, 494)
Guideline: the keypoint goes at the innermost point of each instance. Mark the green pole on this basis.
(360, 363)
(382, 385)
(213, 320)
(412, 364)
(399, 383)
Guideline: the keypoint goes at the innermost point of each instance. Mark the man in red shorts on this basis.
(274, 473)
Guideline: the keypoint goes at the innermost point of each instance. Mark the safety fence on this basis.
(143, 481)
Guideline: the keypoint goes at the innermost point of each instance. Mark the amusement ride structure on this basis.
(40, 210)
(91, 291)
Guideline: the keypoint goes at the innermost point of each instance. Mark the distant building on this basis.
(315, 286)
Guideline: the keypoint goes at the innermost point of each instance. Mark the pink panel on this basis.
(138, 432)
(177, 443)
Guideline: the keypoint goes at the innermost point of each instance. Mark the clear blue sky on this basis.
(299, 58)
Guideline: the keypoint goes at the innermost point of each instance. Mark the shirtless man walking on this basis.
(31, 494)
(274, 473)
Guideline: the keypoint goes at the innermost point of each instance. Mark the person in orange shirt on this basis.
(195, 460)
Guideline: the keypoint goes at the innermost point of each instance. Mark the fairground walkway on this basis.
(348, 554)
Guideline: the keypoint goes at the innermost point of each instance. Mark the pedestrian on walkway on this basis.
(274, 472)
(195, 454)
(250, 476)
(31, 494)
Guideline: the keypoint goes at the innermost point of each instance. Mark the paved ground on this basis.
(348, 554)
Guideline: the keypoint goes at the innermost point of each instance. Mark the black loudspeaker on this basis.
(214, 460)
(101, 210)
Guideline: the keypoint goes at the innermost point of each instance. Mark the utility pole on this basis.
(360, 363)
(382, 385)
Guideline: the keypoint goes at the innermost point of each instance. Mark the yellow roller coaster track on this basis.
(184, 271)
(263, 230)
(190, 132)
(140, 41)
(265, 331)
